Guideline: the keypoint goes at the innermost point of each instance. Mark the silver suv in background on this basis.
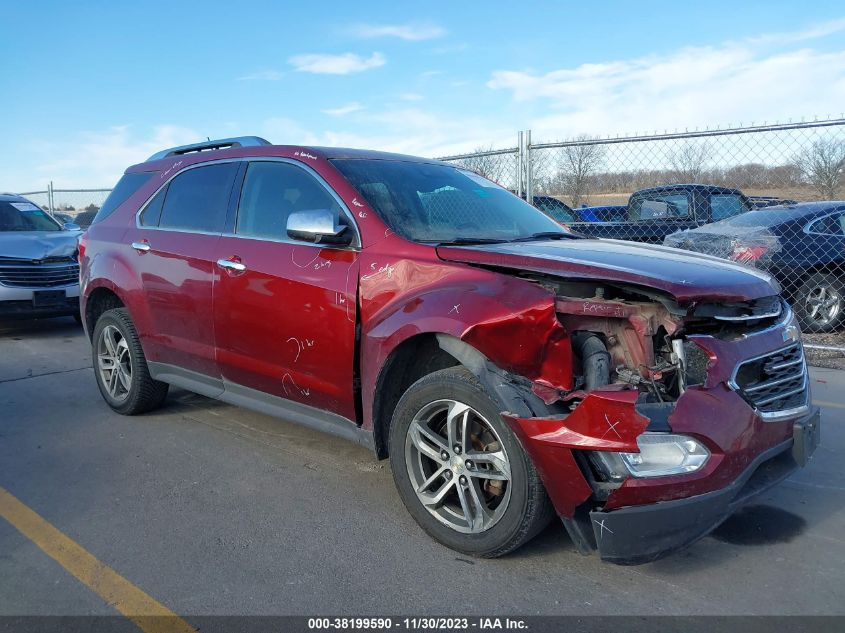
(39, 271)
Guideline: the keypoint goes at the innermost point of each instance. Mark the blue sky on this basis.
(89, 88)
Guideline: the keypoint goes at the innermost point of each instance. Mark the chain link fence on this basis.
(69, 205)
(694, 190)
(690, 190)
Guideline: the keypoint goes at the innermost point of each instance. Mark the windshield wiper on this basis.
(468, 241)
(542, 235)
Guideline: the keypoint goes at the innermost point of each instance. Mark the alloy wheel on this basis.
(458, 466)
(114, 363)
(823, 304)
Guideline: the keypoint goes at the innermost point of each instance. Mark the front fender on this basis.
(511, 321)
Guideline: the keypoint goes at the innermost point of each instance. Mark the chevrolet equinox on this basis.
(510, 369)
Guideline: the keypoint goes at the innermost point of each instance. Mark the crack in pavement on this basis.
(46, 373)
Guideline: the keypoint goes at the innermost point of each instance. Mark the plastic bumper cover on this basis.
(639, 534)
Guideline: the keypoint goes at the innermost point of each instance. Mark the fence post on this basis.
(50, 197)
(519, 163)
(529, 184)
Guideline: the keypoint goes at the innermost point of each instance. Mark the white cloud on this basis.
(343, 110)
(344, 64)
(691, 87)
(95, 158)
(411, 96)
(813, 32)
(263, 75)
(408, 32)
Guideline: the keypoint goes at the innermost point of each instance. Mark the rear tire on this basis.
(120, 366)
(459, 469)
(820, 303)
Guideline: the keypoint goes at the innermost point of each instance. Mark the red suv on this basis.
(509, 369)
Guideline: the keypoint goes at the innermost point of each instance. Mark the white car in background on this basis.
(39, 271)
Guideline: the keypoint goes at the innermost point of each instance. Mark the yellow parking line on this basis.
(832, 405)
(150, 615)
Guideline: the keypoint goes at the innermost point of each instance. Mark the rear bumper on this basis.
(640, 534)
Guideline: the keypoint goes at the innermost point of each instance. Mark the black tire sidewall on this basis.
(453, 384)
(113, 318)
(814, 281)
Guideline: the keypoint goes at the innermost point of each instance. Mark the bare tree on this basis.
(577, 169)
(485, 164)
(689, 161)
(822, 164)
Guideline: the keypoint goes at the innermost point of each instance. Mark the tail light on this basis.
(80, 248)
(748, 254)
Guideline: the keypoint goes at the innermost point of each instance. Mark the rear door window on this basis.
(198, 198)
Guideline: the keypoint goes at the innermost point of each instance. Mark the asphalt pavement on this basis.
(215, 510)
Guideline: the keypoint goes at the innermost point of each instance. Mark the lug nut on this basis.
(463, 480)
(444, 455)
(468, 463)
(448, 474)
(457, 450)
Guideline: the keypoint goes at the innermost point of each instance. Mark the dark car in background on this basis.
(652, 214)
(801, 245)
(39, 272)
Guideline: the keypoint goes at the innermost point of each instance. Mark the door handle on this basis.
(233, 266)
(141, 247)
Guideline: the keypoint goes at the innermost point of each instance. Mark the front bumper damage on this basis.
(642, 519)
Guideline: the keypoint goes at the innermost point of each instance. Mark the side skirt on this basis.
(233, 393)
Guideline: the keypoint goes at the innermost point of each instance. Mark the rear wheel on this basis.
(121, 368)
(459, 469)
(820, 303)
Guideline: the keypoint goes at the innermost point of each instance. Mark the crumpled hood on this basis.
(686, 276)
(38, 244)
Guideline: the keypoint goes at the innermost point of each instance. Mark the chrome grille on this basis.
(49, 273)
(776, 382)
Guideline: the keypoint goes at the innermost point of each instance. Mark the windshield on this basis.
(441, 203)
(25, 216)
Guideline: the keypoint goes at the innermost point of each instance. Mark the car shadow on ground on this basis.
(16, 329)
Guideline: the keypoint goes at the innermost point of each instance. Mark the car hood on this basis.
(38, 244)
(686, 276)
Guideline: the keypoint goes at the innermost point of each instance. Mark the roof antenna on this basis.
(208, 138)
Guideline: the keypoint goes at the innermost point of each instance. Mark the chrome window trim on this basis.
(808, 227)
(356, 244)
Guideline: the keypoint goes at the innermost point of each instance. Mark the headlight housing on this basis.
(661, 454)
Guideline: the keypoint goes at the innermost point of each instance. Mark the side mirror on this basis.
(318, 226)
(71, 226)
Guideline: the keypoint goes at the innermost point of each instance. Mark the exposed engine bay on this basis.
(629, 337)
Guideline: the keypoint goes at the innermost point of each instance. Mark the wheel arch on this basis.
(98, 301)
(403, 368)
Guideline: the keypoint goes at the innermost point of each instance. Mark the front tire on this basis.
(121, 367)
(460, 470)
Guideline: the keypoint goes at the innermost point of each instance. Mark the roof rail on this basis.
(238, 141)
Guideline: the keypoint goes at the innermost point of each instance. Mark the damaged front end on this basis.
(675, 415)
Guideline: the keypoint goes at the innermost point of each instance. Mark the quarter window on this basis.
(198, 198)
(271, 192)
(829, 225)
(152, 212)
